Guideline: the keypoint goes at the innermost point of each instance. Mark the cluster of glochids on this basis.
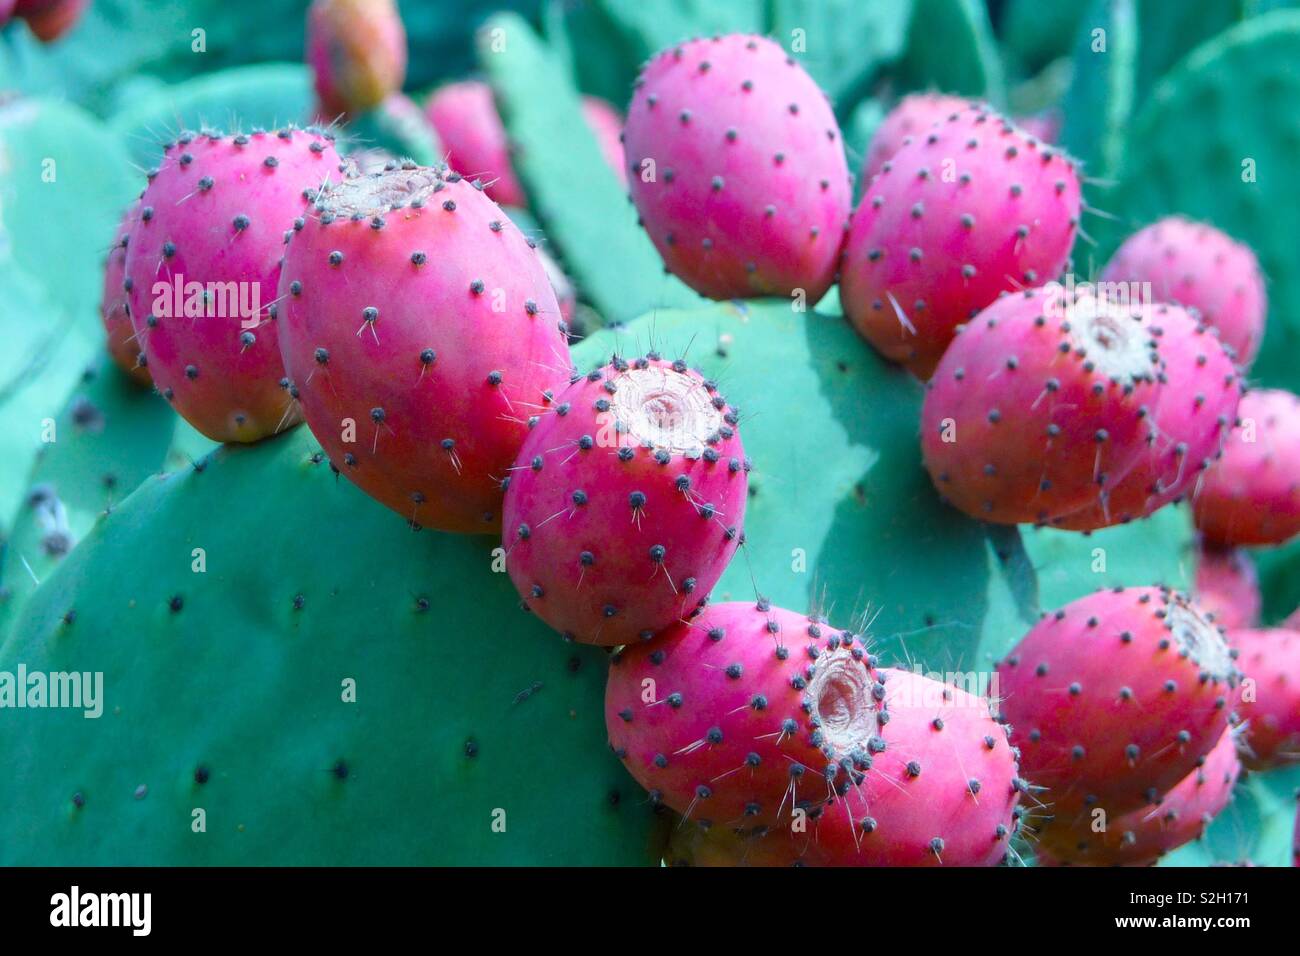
(261, 280)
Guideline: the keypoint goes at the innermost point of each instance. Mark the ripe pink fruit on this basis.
(215, 214)
(1227, 587)
(1143, 836)
(1039, 403)
(415, 313)
(1113, 699)
(744, 712)
(914, 115)
(738, 174)
(114, 310)
(357, 52)
(1199, 267)
(627, 502)
(972, 209)
(942, 792)
(1193, 415)
(1270, 699)
(1252, 496)
(465, 118)
(49, 19)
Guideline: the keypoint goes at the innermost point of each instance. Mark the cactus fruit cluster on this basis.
(820, 466)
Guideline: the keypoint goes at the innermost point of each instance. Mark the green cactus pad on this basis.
(1218, 119)
(268, 95)
(111, 434)
(1099, 101)
(224, 691)
(841, 43)
(841, 515)
(44, 353)
(950, 48)
(399, 126)
(647, 28)
(64, 181)
(1036, 32)
(594, 230)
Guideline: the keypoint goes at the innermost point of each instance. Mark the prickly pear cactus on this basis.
(841, 516)
(111, 434)
(382, 704)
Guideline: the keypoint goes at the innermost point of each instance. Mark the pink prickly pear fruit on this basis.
(972, 209)
(565, 293)
(465, 118)
(914, 115)
(7, 10)
(1202, 268)
(738, 170)
(744, 713)
(123, 347)
(1141, 837)
(942, 792)
(1113, 699)
(1040, 403)
(1227, 587)
(420, 333)
(1270, 697)
(202, 265)
(357, 52)
(607, 124)
(626, 502)
(49, 19)
(1193, 415)
(1252, 496)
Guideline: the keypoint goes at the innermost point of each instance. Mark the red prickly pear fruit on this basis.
(738, 169)
(123, 347)
(49, 19)
(420, 332)
(1227, 587)
(606, 122)
(1270, 698)
(744, 713)
(1201, 268)
(1113, 699)
(943, 792)
(912, 117)
(1141, 837)
(1193, 417)
(465, 118)
(1040, 402)
(202, 264)
(1252, 497)
(972, 209)
(357, 52)
(626, 502)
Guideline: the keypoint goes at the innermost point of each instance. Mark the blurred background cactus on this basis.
(228, 690)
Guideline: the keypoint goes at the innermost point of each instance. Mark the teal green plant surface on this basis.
(64, 181)
(327, 687)
(950, 48)
(595, 232)
(267, 95)
(841, 515)
(110, 435)
(1099, 101)
(44, 353)
(1036, 32)
(1208, 145)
